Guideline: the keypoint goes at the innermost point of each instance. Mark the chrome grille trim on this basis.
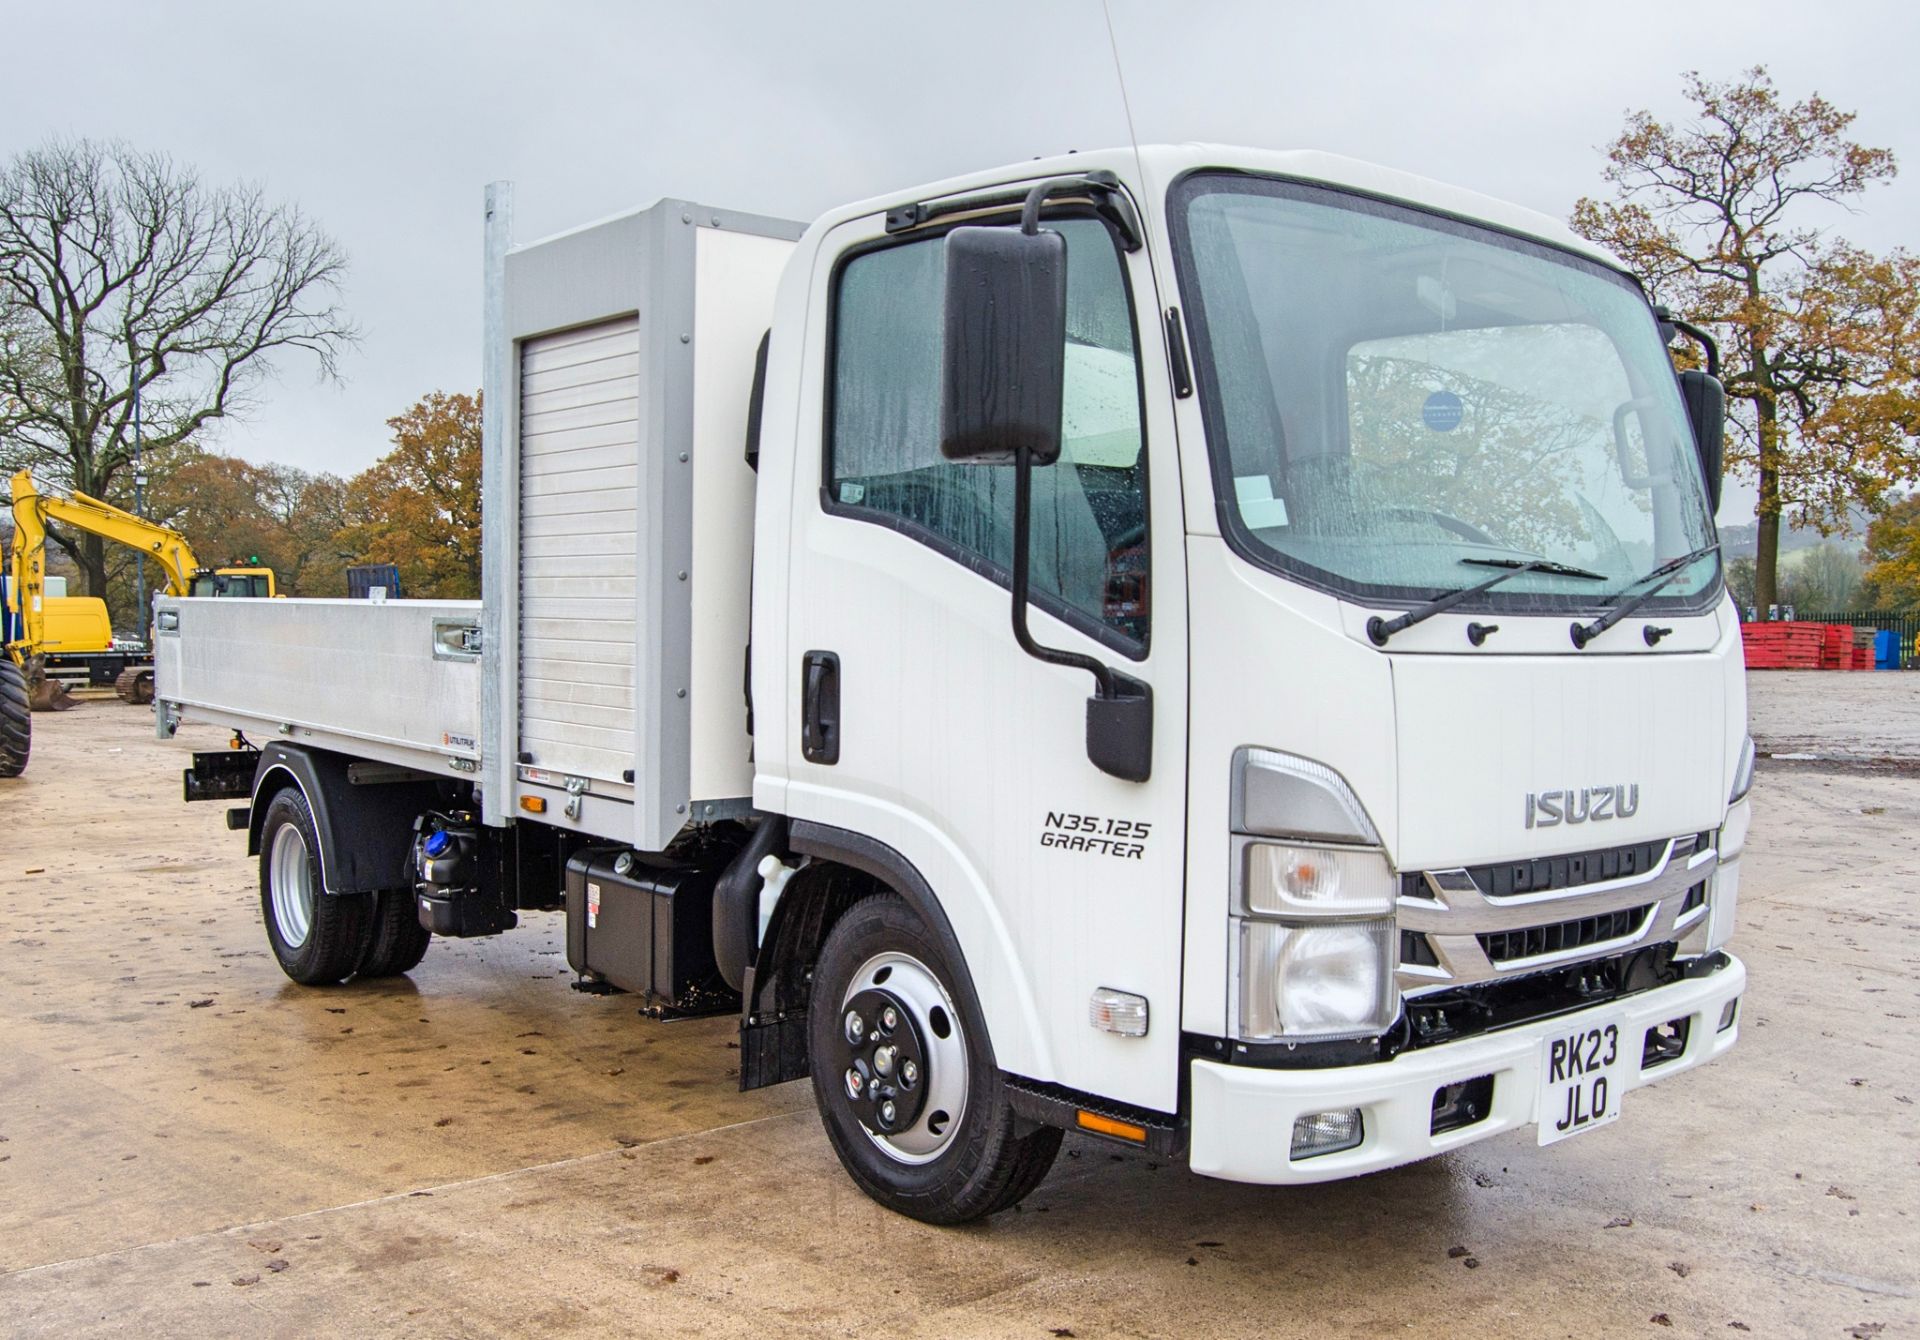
(1455, 911)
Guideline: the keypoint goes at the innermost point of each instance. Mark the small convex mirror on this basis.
(1003, 360)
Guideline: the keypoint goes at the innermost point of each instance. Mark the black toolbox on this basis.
(645, 928)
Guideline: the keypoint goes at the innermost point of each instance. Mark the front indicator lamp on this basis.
(1742, 773)
(1120, 1012)
(1327, 1133)
(1732, 839)
(1288, 879)
(1331, 980)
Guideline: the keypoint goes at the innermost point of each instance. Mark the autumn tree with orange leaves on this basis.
(1820, 339)
(418, 507)
(1893, 557)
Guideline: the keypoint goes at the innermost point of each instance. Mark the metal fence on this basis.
(1905, 623)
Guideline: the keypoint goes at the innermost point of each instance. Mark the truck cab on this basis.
(1302, 397)
(1236, 663)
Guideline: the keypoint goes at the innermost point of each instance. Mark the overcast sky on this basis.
(385, 120)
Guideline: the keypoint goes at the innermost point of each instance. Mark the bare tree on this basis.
(119, 269)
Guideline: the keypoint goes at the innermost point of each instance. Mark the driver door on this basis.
(952, 746)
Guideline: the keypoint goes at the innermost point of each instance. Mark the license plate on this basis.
(1582, 1074)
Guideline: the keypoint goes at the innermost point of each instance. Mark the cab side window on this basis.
(1089, 549)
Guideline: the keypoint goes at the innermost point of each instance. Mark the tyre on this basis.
(398, 941)
(318, 937)
(904, 1074)
(135, 685)
(16, 720)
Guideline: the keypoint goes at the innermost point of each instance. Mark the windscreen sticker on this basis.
(1125, 839)
(1258, 507)
(1442, 412)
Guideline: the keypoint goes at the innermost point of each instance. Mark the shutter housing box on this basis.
(619, 517)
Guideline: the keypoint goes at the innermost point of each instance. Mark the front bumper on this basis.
(1242, 1116)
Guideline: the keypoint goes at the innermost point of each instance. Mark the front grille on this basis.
(1696, 897)
(1569, 871)
(1533, 941)
(1416, 949)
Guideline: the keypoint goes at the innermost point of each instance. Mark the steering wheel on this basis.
(1451, 524)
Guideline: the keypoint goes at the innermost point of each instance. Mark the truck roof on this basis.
(1161, 164)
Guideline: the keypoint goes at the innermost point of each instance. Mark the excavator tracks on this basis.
(135, 685)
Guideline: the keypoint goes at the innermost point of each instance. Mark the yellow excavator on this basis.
(50, 639)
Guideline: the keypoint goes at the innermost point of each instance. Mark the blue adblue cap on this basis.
(438, 842)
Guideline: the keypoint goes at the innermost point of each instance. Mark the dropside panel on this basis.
(389, 681)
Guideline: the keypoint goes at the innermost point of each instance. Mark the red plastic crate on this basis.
(1799, 645)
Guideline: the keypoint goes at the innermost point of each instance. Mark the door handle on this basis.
(820, 707)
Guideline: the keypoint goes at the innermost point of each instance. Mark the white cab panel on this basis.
(735, 278)
(1271, 670)
(1482, 733)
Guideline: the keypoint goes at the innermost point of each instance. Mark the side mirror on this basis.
(1003, 359)
(1706, 402)
(1003, 369)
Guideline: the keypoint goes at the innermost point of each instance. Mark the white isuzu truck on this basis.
(1222, 650)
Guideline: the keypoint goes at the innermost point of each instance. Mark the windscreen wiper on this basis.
(1537, 565)
(1379, 629)
(1661, 577)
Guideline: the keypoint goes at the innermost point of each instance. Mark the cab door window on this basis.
(1089, 549)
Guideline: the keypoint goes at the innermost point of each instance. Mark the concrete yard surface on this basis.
(1836, 715)
(192, 1145)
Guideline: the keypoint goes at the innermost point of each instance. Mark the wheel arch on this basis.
(365, 831)
(844, 867)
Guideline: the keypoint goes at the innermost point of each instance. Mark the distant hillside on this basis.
(1744, 541)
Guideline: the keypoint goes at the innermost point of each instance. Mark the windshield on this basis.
(229, 584)
(1394, 398)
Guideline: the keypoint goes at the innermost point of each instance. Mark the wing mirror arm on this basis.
(1706, 402)
(1120, 713)
(1002, 383)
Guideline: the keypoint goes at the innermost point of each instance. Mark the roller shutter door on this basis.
(579, 472)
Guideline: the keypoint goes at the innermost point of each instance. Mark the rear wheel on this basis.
(318, 937)
(904, 1075)
(398, 941)
(16, 720)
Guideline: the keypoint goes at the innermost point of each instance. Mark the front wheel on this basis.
(904, 1075)
(16, 720)
(318, 937)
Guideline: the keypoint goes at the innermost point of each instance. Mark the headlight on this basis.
(1743, 774)
(1320, 981)
(1314, 904)
(1325, 881)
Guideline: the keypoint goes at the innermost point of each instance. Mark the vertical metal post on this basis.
(139, 488)
(499, 512)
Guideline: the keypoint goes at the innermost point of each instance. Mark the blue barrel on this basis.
(1886, 650)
